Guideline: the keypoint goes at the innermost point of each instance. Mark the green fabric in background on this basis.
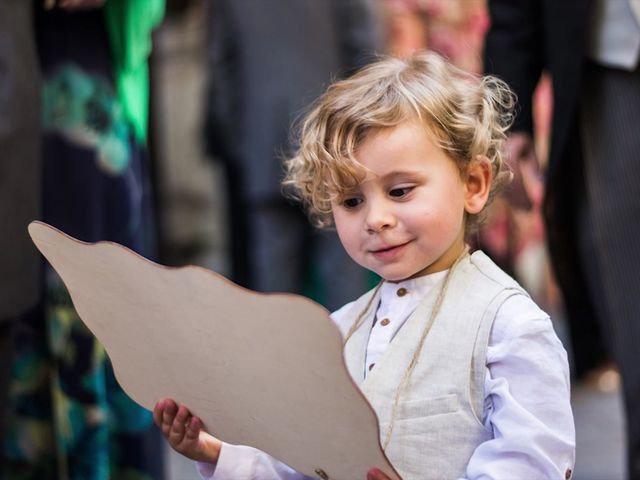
(129, 25)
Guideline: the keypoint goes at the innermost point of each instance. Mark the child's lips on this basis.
(388, 252)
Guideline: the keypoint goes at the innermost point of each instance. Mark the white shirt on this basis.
(527, 393)
(614, 34)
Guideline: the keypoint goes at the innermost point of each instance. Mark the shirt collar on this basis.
(414, 289)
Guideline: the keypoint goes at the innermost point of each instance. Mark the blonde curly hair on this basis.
(468, 115)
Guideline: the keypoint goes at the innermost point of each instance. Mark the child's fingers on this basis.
(376, 474)
(169, 412)
(179, 426)
(157, 413)
(168, 416)
(193, 429)
(183, 415)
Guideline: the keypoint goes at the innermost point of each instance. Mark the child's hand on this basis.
(184, 432)
(375, 474)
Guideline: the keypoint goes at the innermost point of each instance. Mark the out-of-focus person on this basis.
(19, 176)
(68, 417)
(591, 50)
(452, 28)
(267, 61)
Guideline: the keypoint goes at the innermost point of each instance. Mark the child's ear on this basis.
(477, 184)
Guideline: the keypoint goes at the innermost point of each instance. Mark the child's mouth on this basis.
(386, 253)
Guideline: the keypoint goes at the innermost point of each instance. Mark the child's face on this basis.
(406, 218)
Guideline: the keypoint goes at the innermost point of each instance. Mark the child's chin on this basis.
(395, 278)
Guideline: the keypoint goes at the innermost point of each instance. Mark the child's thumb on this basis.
(375, 474)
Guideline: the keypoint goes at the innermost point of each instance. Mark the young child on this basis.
(464, 371)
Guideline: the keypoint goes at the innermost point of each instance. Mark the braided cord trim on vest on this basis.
(416, 354)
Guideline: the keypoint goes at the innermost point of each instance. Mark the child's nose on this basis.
(379, 217)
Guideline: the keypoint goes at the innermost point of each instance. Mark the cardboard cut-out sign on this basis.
(260, 370)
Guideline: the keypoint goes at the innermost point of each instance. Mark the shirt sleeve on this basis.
(527, 399)
(237, 462)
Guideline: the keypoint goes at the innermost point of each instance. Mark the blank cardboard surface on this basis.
(260, 370)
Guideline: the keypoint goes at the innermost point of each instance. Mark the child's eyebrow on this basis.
(394, 175)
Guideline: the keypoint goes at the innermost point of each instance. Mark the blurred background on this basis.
(162, 125)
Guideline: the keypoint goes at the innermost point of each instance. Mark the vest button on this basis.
(567, 474)
(384, 322)
(371, 366)
(401, 292)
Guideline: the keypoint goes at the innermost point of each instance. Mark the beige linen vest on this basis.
(438, 422)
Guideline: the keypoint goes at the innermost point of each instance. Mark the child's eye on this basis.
(400, 192)
(351, 202)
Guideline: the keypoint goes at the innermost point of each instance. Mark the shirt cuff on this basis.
(235, 462)
(206, 470)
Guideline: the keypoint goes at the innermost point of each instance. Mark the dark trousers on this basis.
(288, 255)
(274, 248)
(7, 331)
(611, 224)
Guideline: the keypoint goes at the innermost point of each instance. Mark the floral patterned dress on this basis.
(69, 418)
